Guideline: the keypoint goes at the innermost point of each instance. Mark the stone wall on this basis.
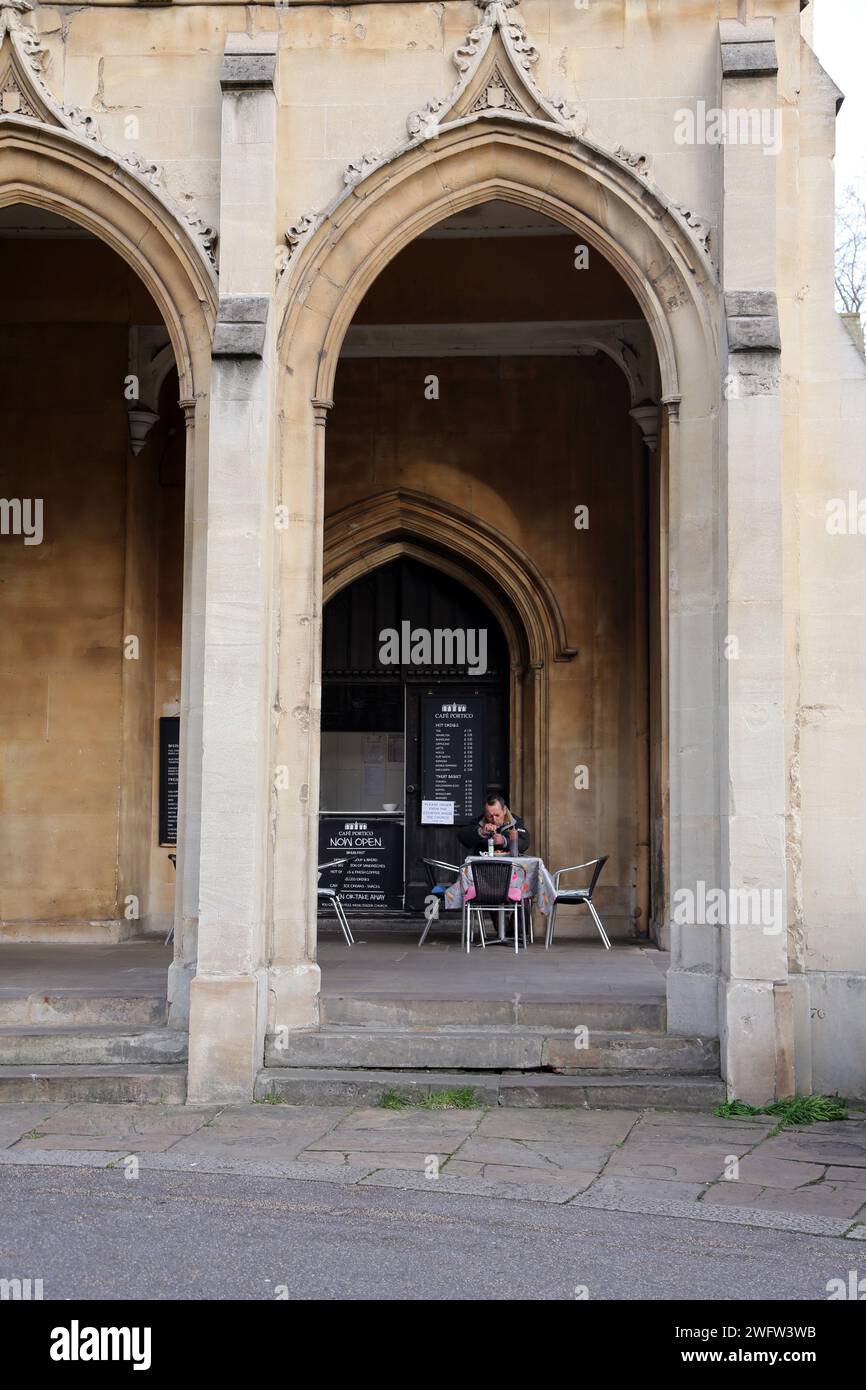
(71, 798)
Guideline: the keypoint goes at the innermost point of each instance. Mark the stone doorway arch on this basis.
(358, 540)
(47, 165)
(611, 206)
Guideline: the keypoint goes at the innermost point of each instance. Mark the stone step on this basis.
(527, 1090)
(81, 1007)
(137, 1085)
(490, 1049)
(639, 1016)
(110, 1044)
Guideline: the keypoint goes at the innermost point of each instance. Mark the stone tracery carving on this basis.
(24, 93)
(495, 82)
(495, 64)
(294, 236)
(698, 225)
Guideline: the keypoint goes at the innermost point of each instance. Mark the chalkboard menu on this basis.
(169, 766)
(453, 753)
(374, 849)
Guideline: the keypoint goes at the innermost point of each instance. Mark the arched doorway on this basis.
(604, 201)
(131, 338)
(482, 415)
(404, 647)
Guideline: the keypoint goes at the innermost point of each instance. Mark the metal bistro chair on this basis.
(436, 888)
(578, 895)
(332, 893)
(491, 879)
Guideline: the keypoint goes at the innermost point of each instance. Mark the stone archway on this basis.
(358, 540)
(610, 206)
(48, 166)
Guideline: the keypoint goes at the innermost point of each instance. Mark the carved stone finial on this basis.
(360, 168)
(494, 63)
(293, 238)
(640, 162)
(207, 235)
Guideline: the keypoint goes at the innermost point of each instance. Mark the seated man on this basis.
(495, 823)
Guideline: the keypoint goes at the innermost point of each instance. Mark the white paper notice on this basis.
(437, 812)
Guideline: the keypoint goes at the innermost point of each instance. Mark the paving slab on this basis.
(413, 1162)
(515, 1153)
(418, 1121)
(531, 1190)
(654, 1189)
(129, 1143)
(18, 1119)
(97, 1118)
(781, 1172)
(674, 1161)
(585, 1127)
(576, 1179)
(375, 1141)
(283, 1133)
(804, 1146)
(824, 1199)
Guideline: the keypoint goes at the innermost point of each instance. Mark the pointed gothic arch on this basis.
(50, 158)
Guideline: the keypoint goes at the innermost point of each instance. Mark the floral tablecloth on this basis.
(530, 878)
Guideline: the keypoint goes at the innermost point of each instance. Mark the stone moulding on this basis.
(26, 97)
(361, 532)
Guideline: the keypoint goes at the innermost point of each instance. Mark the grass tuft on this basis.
(463, 1098)
(793, 1110)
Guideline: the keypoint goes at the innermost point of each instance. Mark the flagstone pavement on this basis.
(695, 1164)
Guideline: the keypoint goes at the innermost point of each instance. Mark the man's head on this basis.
(494, 810)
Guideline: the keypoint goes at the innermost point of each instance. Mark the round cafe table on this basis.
(530, 880)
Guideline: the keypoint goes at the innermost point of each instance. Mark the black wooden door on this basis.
(486, 702)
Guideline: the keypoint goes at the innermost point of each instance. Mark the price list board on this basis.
(169, 777)
(453, 753)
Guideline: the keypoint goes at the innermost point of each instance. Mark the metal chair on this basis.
(173, 858)
(491, 879)
(437, 889)
(578, 895)
(332, 893)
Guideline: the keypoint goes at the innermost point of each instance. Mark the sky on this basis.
(840, 42)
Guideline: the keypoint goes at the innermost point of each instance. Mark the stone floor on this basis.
(393, 965)
(381, 963)
(811, 1178)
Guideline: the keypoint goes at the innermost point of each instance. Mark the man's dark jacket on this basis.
(472, 840)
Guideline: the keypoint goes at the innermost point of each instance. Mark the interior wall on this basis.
(523, 442)
(65, 313)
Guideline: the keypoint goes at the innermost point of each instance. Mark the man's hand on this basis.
(499, 839)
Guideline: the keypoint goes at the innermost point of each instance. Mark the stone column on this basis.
(182, 968)
(755, 1003)
(294, 976)
(228, 996)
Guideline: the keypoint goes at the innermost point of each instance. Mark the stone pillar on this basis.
(294, 976)
(755, 1003)
(182, 968)
(228, 996)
